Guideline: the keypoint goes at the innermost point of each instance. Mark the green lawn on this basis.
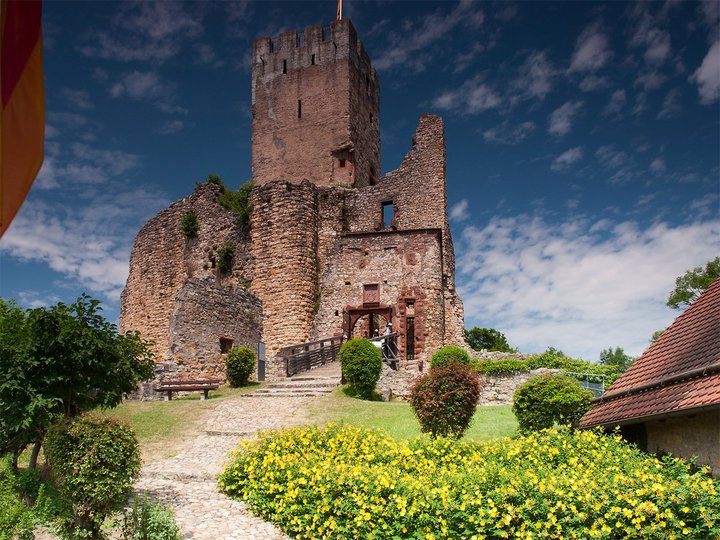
(163, 426)
(397, 418)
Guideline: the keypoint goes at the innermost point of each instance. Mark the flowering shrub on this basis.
(548, 399)
(451, 353)
(445, 399)
(346, 482)
(361, 364)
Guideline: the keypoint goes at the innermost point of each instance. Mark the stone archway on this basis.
(376, 315)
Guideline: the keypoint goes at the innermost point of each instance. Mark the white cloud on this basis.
(472, 97)
(535, 76)
(561, 119)
(419, 34)
(609, 156)
(459, 211)
(707, 76)
(508, 134)
(650, 80)
(567, 158)
(593, 82)
(581, 286)
(146, 31)
(87, 244)
(171, 127)
(658, 166)
(650, 36)
(78, 98)
(138, 85)
(670, 108)
(35, 299)
(591, 50)
(616, 104)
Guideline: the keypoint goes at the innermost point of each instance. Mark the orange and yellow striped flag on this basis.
(22, 103)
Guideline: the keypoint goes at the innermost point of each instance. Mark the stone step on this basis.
(284, 395)
(309, 384)
(291, 390)
(307, 378)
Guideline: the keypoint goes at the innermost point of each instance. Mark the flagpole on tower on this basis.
(339, 11)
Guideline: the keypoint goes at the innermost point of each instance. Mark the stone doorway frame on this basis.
(352, 315)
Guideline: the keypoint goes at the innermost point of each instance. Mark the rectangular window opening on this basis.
(372, 180)
(299, 108)
(410, 338)
(388, 214)
(284, 66)
(342, 163)
(312, 60)
(225, 345)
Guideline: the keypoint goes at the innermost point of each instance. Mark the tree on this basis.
(689, 286)
(488, 339)
(656, 335)
(616, 358)
(59, 362)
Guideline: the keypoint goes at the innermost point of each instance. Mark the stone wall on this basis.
(284, 247)
(687, 436)
(163, 259)
(206, 311)
(406, 266)
(499, 389)
(315, 108)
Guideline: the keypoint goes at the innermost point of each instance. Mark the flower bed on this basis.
(347, 482)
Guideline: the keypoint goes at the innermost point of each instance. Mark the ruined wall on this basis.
(405, 266)
(284, 247)
(687, 436)
(162, 259)
(315, 108)
(204, 312)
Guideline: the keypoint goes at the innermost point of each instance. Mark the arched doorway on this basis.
(369, 325)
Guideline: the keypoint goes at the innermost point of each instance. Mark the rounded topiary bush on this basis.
(361, 364)
(548, 399)
(239, 365)
(451, 353)
(444, 400)
(95, 461)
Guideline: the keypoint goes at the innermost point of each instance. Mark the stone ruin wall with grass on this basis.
(167, 267)
(316, 222)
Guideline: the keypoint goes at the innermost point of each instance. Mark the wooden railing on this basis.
(387, 344)
(305, 356)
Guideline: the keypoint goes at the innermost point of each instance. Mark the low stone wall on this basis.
(499, 389)
(395, 384)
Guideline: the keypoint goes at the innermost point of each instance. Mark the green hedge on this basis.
(239, 365)
(449, 353)
(347, 482)
(550, 359)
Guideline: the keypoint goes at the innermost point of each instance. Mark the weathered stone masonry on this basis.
(329, 241)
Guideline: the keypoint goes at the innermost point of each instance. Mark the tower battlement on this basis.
(316, 108)
(316, 45)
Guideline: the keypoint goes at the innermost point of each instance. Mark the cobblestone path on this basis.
(187, 481)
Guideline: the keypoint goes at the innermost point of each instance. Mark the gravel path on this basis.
(187, 481)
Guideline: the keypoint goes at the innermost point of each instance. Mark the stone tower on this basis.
(332, 248)
(316, 112)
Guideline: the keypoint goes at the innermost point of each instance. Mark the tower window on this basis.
(372, 180)
(226, 344)
(388, 214)
(342, 163)
(299, 108)
(312, 60)
(284, 66)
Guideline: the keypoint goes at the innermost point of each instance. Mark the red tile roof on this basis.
(680, 371)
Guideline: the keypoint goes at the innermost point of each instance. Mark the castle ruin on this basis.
(332, 248)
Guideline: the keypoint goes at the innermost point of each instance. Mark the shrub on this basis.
(361, 364)
(149, 521)
(505, 366)
(548, 399)
(94, 460)
(225, 256)
(189, 225)
(238, 201)
(444, 400)
(348, 482)
(451, 353)
(239, 365)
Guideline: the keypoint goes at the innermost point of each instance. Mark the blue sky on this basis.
(583, 146)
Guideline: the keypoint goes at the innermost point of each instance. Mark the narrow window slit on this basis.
(299, 108)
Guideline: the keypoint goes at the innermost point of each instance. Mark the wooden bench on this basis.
(188, 386)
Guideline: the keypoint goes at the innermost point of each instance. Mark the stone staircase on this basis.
(314, 383)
